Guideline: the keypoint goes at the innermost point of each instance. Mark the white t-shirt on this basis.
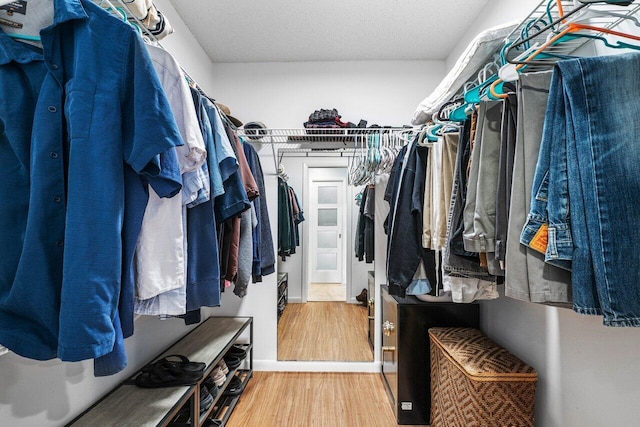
(161, 249)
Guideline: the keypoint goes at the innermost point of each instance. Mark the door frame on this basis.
(341, 206)
(346, 228)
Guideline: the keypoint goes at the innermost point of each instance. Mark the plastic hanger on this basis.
(574, 26)
(494, 88)
(551, 25)
(422, 139)
(617, 45)
(472, 95)
(445, 110)
(25, 37)
(572, 29)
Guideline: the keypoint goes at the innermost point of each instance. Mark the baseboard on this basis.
(298, 300)
(299, 366)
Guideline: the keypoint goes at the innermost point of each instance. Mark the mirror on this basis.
(324, 311)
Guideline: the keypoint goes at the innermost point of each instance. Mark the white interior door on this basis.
(327, 234)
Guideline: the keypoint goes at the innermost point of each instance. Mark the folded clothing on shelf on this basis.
(326, 118)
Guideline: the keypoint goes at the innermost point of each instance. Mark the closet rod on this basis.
(312, 139)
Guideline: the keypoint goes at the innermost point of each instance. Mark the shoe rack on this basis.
(129, 405)
(283, 292)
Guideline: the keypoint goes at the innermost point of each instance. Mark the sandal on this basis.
(182, 363)
(167, 374)
(237, 351)
(232, 361)
(234, 388)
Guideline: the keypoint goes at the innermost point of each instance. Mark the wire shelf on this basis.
(538, 29)
(345, 136)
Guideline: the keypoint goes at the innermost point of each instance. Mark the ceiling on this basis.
(331, 30)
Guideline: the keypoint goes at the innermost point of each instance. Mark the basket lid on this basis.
(478, 357)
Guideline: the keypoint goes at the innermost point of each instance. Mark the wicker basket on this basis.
(477, 383)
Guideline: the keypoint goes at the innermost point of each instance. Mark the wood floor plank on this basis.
(313, 399)
(327, 292)
(335, 331)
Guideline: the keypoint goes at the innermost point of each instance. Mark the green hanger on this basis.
(607, 43)
(24, 37)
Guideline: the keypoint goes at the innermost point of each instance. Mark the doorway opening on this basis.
(326, 256)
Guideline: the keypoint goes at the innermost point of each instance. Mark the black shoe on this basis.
(363, 296)
(206, 399)
(234, 388)
(238, 351)
(211, 386)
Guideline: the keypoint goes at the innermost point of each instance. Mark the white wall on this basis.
(586, 372)
(495, 13)
(282, 95)
(185, 48)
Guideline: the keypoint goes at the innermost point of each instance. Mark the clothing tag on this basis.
(19, 6)
(541, 239)
(11, 24)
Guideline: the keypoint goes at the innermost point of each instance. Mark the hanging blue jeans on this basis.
(596, 105)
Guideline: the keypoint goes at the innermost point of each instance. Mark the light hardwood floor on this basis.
(327, 292)
(318, 399)
(324, 331)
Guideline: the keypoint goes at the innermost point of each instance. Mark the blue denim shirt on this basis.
(203, 275)
(73, 116)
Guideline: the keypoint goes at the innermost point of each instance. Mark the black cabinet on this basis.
(283, 292)
(405, 349)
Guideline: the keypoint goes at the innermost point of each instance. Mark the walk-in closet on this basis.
(332, 214)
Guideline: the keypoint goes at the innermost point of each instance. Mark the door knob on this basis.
(388, 328)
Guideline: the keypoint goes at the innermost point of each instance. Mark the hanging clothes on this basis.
(136, 232)
(263, 255)
(527, 276)
(161, 252)
(75, 315)
(479, 212)
(147, 13)
(404, 247)
(508, 131)
(290, 215)
(585, 189)
(232, 227)
(364, 241)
